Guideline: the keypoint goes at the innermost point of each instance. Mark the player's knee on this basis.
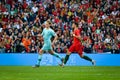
(40, 51)
(80, 52)
(68, 52)
(51, 52)
(81, 56)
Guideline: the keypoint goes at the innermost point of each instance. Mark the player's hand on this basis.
(73, 35)
(39, 35)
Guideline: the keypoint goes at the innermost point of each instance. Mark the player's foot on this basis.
(93, 62)
(36, 66)
(62, 65)
(62, 60)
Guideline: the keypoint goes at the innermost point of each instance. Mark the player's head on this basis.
(47, 24)
(74, 25)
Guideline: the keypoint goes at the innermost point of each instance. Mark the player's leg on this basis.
(84, 56)
(64, 61)
(39, 58)
(54, 54)
(71, 49)
(67, 56)
(88, 58)
(44, 48)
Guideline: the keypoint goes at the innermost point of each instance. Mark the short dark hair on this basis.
(75, 24)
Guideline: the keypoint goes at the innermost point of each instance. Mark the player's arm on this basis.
(55, 38)
(39, 35)
(77, 36)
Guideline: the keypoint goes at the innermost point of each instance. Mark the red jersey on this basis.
(77, 33)
(76, 46)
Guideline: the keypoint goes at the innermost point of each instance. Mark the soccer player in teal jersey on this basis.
(47, 46)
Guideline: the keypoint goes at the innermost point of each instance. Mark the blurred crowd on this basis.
(21, 21)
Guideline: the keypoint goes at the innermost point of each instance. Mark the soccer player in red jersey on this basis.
(76, 46)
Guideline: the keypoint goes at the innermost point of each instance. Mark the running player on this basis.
(47, 46)
(76, 46)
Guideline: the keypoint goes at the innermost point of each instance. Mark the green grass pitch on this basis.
(59, 73)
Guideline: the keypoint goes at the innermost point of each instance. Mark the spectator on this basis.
(33, 48)
(35, 8)
(58, 48)
(26, 41)
(98, 19)
(107, 40)
(7, 44)
(87, 45)
(2, 46)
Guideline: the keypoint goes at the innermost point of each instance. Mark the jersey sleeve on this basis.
(77, 33)
(53, 33)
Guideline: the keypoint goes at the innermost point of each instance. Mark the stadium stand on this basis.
(21, 22)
